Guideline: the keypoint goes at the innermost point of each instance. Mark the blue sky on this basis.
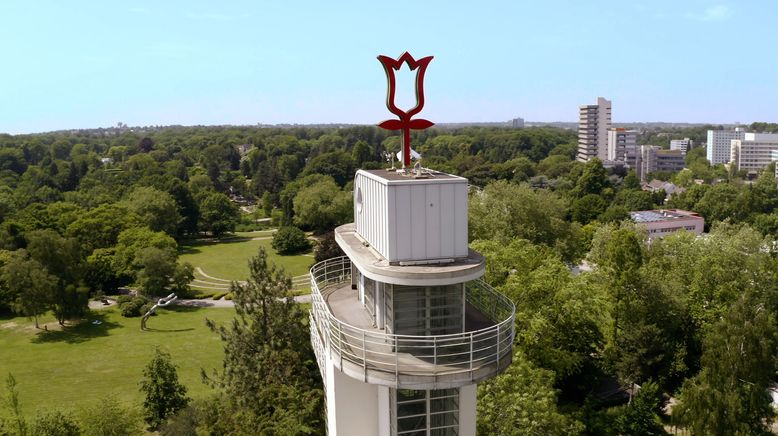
(80, 64)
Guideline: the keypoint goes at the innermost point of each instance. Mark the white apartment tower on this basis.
(403, 326)
(594, 120)
(719, 143)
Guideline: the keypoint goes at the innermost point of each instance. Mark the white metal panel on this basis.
(433, 221)
(418, 222)
(460, 219)
(402, 233)
(447, 212)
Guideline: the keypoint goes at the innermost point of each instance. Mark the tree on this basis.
(156, 270)
(327, 248)
(36, 286)
(593, 180)
(268, 360)
(290, 240)
(322, 206)
(156, 209)
(164, 395)
(641, 415)
(588, 208)
(730, 395)
(504, 211)
(522, 400)
(218, 214)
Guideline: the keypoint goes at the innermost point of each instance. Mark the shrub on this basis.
(54, 423)
(228, 296)
(124, 299)
(218, 295)
(108, 417)
(134, 306)
(290, 240)
(146, 307)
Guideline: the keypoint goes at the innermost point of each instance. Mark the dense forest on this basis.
(688, 318)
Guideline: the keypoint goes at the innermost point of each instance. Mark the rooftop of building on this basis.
(399, 175)
(373, 263)
(652, 216)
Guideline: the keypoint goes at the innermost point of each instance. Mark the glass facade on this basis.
(425, 412)
(427, 310)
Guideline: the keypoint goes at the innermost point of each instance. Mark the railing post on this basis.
(396, 362)
(434, 355)
(497, 347)
(364, 357)
(340, 344)
(471, 355)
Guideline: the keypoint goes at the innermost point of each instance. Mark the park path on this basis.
(209, 302)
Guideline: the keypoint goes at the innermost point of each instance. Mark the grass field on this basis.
(226, 259)
(83, 363)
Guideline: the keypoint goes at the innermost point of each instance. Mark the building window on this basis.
(425, 412)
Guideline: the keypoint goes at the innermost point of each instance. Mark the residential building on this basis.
(660, 223)
(719, 143)
(594, 120)
(753, 152)
(684, 144)
(619, 140)
(403, 326)
(517, 123)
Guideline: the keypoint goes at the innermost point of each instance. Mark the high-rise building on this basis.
(619, 141)
(517, 123)
(594, 120)
(653, 158)
(719, 143)
(684, 145)
(404, 326)
(754, 151)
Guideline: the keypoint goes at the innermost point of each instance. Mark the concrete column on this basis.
(467, 415)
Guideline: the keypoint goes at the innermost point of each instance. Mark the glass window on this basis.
(425, 412)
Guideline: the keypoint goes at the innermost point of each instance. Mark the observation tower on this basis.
(403, 326)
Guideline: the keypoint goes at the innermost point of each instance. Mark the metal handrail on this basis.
(433, 355)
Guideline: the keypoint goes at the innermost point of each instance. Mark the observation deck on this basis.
(343, 331)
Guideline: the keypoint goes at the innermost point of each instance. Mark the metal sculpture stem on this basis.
(161, 303)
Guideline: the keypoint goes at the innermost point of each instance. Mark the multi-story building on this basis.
(517, 123)
(404, 326)
(660, 223)
(719, 143)
(653, 158)
(754, 151)
(684, 145)
(594, 120)
(619, 141)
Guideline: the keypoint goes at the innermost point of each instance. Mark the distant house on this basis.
(243, 149)
(106, 161)
(659, 185)
(660, 223)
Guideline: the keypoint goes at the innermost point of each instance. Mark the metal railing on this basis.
(376, 356)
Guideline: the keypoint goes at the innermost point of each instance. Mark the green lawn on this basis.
(61, 369)
(227, 258)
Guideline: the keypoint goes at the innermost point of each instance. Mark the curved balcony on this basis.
(342, 330)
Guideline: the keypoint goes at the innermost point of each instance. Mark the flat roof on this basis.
(400, 176)
(652, 216)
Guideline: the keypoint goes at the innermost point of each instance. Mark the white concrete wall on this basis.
(467, 414)
(352, 406)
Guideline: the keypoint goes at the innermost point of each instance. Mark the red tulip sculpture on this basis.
(405, 121)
